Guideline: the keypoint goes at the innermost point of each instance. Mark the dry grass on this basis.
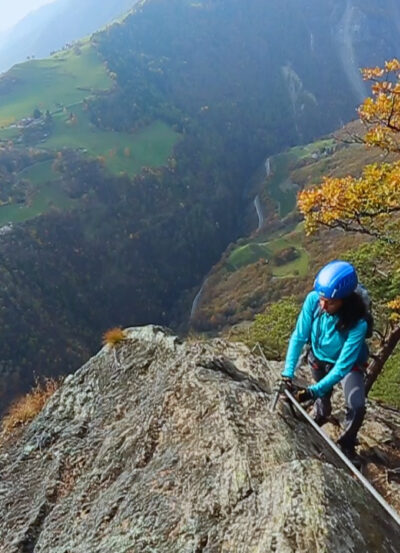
(25, 409)
(113, 337)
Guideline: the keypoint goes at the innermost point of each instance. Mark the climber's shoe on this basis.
(352, 455)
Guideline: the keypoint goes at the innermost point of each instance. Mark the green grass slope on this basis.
(44, 193)
(270, 250)
(121, 151)
(387, 388)
(271, 263)
(60, 85)
(281, 186)
(64, 79)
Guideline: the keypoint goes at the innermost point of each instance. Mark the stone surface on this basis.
(154, 448)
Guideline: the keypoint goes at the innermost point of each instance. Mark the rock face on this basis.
(154, 448)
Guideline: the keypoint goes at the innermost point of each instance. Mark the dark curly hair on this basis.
(352, 310)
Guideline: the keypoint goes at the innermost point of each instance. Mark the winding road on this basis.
(196, 300)
(261, 220)
(260, 214)
(268, 166)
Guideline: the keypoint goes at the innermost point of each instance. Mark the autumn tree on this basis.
(370, 204)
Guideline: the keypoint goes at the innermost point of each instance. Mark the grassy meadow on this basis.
(280, 185)
(122, 152)
(255, 250)
(60, 84)
(45, 194)
(64, 79)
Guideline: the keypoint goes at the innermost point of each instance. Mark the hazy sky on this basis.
(12, 11)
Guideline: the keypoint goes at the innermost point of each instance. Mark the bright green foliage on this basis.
(387, 388)
(273, 328)
(379, 271)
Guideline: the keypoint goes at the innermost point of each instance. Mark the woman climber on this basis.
(333, 320)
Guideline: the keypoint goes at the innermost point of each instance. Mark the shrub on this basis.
(25, 409)
(285, 256)
(113, 337)
(273, 328)
(387, 387)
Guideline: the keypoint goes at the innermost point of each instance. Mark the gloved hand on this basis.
(303, 394)
(286, 383)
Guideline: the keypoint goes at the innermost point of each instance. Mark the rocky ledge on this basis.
(158, 447)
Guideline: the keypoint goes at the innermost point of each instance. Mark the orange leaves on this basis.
(394, 305)
(370, 73)
(381, 113)
(392, 65)
(366, 204)
(363, 204)
(385, 105)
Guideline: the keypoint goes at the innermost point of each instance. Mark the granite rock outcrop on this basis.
(155, 447)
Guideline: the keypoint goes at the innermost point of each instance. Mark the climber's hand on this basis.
(284, 383)
(303, 394)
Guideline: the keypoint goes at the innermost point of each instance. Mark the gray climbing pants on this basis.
(354, 394)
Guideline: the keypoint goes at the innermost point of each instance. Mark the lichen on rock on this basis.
(157, 449)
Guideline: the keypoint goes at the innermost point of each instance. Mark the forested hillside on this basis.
(141, 151)
(278, 259)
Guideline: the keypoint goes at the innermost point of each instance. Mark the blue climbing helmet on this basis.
(337, 279)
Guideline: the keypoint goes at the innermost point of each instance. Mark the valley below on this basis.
(173, 176)
(130, 165)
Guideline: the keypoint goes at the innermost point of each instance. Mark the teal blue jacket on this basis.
(343, 349)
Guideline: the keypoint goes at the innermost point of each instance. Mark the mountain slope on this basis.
(51, 27)
(153, 447)
(278, 259)
(197, 95)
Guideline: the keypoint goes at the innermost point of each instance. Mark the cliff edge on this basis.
(153, 447)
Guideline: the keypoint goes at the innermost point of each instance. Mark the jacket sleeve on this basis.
(345, 362)
(301, 334)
